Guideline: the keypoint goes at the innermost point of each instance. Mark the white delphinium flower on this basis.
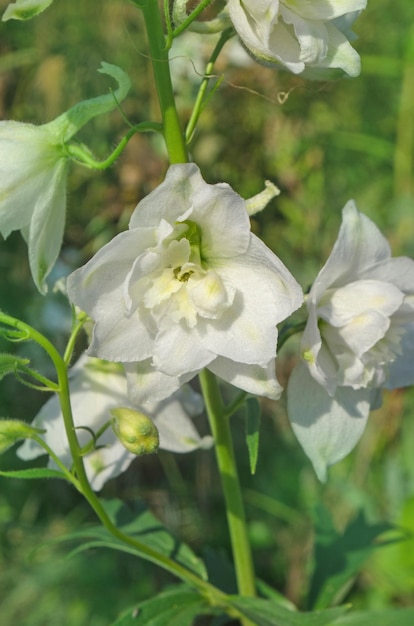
(308, 37)
(95, 391)
(33, 171)
(188, 286)
(359, 338)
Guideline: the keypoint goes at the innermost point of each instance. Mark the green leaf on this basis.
(387, 617)
(176, 607)
(136, 521)
(253, 414)
(268, 613)
(14, 335)
(35, 472)
(338, 558)
(25, 9)
(10, 364)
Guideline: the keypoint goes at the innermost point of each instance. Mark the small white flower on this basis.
(187, 287)
(359, 338)
(308, 37)
(95, 390)
(33, 171)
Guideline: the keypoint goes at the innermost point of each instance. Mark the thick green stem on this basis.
(220, 426)
(173, 134)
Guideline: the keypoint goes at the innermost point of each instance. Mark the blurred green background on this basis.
(322, 144)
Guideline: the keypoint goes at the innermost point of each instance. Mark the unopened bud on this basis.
(135, 431)
(13, 430)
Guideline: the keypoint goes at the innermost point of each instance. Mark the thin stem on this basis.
(288, 330)
(84, 157)
(220, 427)
(173, 135)
(191, 17)
(201, 96)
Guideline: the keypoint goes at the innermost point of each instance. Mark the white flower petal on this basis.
(145, 383)
(324, 9)
(187, 283)
(254, 379)
(359, 247)
(305, 36)
(177, 351)
(327, 428)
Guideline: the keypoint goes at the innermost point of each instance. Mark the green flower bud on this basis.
(135, 431)
(13, 430)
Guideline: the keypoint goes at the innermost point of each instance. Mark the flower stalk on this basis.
(220, 427)
(173, 134)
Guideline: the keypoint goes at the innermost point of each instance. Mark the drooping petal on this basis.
(340, 58)
(254, 379)
(324, 9)
(327, 428)
(47, 226)
(29, 162)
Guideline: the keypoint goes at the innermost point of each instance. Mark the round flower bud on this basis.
(135, 431)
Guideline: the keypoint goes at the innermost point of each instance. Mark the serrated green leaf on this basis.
(253, 414)
(9, 364)
(175, 607)
(387, 617)
(338, 558)
(268, 613)
(136, 521)
(35, 472)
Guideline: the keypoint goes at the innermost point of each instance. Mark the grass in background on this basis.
(326, 143)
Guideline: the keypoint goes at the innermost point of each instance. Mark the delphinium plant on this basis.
(188, 290)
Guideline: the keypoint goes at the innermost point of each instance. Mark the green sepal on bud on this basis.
(13, 430)
(135, 430)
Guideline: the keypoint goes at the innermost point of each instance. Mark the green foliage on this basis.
(136, 521)
(253, 415)
(176, 607)
(268, 613)
(322, 144)
(10, 364)
(339, 557)
(33, 473)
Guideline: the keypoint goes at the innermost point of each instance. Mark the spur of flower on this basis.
(311, 38)
(33, 172)
(188, 286)
(99, 389)
(359, 339)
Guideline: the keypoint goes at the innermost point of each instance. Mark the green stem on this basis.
(201, 96)
(81, 155)
(214, 595)
(288, 330)
(173, 135)
(220, 427)
(190, 18)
